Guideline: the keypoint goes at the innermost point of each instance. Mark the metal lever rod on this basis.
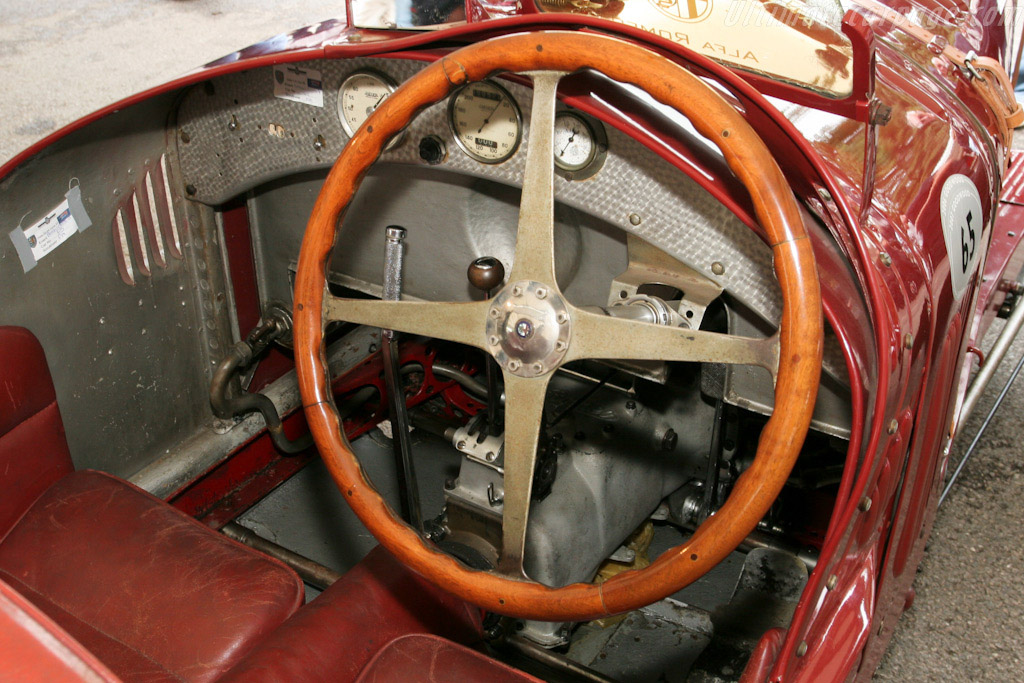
(394, 253)
(984, 426)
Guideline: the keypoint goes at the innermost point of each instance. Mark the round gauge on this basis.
(575, 144)
(486, 122)
(361, 92)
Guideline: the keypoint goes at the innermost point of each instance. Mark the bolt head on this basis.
(801, 649)
(514, 365)
(538, 367)
(893, 426)
(634, 219)
(717, 268)
(865, 504)
(560, 345)
(493, 340)
(494, 312)
(562, 318)
(524, 329)
(832, 582)
(541, 293)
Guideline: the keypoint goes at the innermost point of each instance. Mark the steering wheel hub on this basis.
(528, 328)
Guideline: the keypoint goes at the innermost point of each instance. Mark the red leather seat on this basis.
(334, 636)
(152, 593)
(419, 658)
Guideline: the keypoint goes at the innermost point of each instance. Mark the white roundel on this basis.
(962, 225)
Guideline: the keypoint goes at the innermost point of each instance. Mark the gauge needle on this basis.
(489, 115)
(569, 141)
(377, 103)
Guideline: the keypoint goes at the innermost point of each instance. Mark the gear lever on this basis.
(486, 274)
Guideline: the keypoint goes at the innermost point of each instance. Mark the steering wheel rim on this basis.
(797, 347)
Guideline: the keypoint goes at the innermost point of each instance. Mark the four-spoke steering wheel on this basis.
(559, 332)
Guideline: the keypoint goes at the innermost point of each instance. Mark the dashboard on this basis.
(452, 179)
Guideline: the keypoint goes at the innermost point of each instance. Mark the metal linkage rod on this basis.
(394, 247)
(984, 426)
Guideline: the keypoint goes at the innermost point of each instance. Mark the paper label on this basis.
(299, 84)
(52, 231)
(962, 225)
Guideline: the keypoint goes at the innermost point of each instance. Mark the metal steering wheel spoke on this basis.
(602, 336)
(524, 398)
(535, 239)
(462, 323)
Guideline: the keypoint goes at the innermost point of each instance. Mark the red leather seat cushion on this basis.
(335, 635)
(154, 594)
(33, 648)
(419, 658)
(33, 452)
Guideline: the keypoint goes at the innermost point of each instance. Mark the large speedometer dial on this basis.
(361, 92)
(486, 122)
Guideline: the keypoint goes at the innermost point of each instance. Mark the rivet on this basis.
(717, 268)
(1011, 233)
(825, 195)
(562, 318)
(630, 405)
(233, 123)
(634, 219)
(908, 341)
(514, 365)
(893, 426)
(190, 190)
(319, 143)
(185, 137)
(801, 649)
(832, 582)
(541, 293)
(885, 259)
(865, 504)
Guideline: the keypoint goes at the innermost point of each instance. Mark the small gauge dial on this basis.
(360, 94)
(486, 122)
(575, 144)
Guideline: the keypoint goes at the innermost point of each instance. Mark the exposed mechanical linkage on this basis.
(277, 325)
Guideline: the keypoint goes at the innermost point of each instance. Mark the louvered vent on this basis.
(145, 228)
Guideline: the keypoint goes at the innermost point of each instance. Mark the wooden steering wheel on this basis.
(793, 356)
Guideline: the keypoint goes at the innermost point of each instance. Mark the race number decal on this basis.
(962, 224)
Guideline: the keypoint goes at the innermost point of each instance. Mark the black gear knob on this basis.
(486, 273)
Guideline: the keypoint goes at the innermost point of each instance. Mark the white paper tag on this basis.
(52, 231)
(299, 84)
(962, 225)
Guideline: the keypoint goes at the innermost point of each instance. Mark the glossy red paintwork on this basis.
(903, 334)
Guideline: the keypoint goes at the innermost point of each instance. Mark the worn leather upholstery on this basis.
(335, 635)
(33, 648)
(420, 658)
(33, 451)
(152, 593)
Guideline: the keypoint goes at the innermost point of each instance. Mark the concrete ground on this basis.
(57, 64)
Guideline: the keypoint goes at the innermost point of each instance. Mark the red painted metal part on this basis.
(233, 486)
(1005, 257)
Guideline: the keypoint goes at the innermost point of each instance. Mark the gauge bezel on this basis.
(385, 79)
(596, 160)
(455, 131)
